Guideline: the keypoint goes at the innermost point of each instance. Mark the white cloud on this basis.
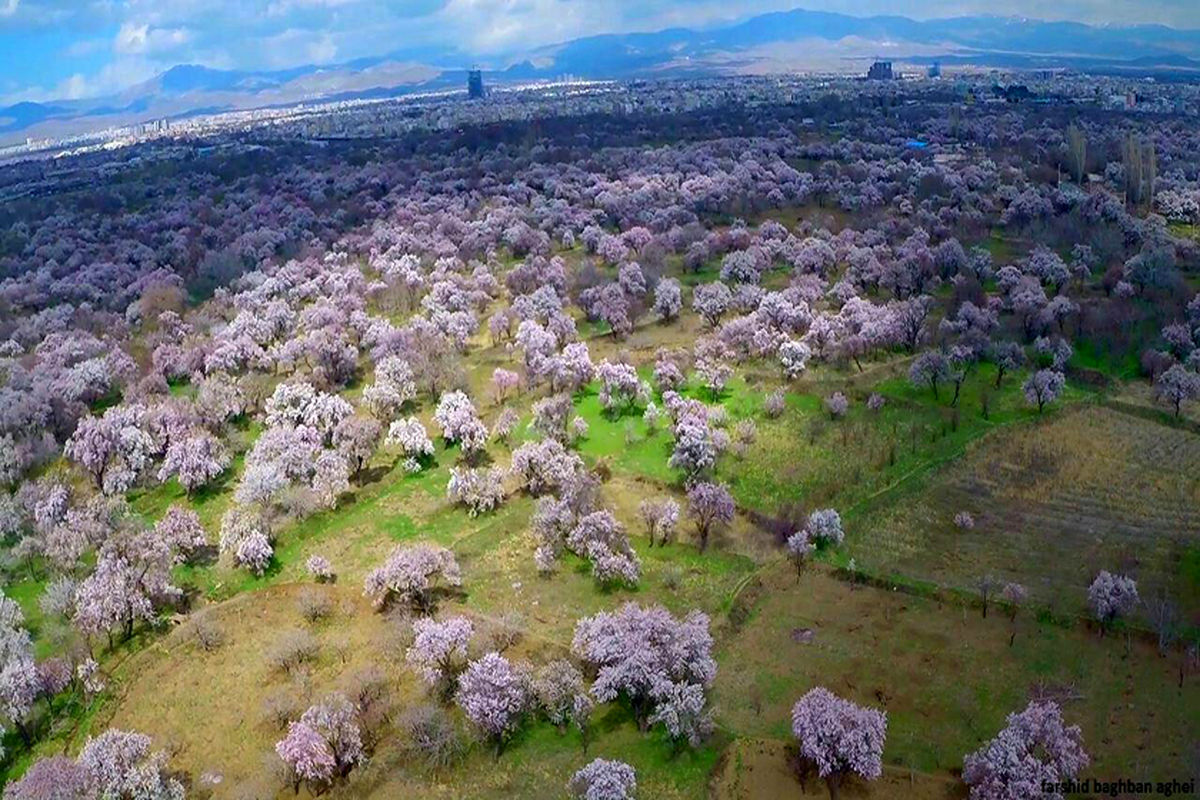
(294, 47)
(72, 88)
(492, 26)
(323, 50)
(281, 8)
(505, 26)
(85, 47)
(231, 16)
(112, 78)
(134, 39)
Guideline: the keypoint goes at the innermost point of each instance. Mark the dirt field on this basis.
(1054, 503)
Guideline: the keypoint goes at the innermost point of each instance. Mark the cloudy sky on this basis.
(84, 48)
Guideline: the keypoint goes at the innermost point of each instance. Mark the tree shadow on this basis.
(204, 556)
(614, 587)
(369, 475)
(791, 518)
(614, 716)
(478, 458)
(714, 395)
(448, 593)
(274, 567)
(623, 411)
(433, 600)
(211, 490)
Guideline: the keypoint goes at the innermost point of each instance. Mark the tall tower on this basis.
(880, 71)
(475, 84)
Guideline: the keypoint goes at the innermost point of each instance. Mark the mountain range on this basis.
(769, 43)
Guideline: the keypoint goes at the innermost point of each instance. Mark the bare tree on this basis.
(986, 586)
(1164, 617)
(1077, 152)
(1141, 168)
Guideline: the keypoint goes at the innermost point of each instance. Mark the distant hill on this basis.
(979, 38)
(798, 39)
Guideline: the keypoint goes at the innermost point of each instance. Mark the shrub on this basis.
(205, 632)
(292, 649)
(604, 780)
(369, 690)
(773, 404)
(431, 735)
(837, 404)
(672, 577)
(320, 568)
(279, 708)
(509, 630)
(315, 605)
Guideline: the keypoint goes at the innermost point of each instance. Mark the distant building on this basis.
(880, 71)
(475, 84)
(1017, 93)
(935, 70)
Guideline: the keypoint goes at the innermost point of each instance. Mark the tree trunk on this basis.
(641, 714)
